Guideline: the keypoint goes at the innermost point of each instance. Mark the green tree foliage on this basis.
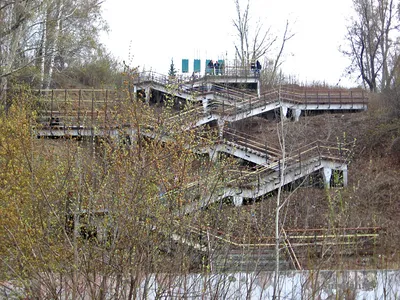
(47, 35)
(100, 70)
(172, 71)
(103, 208)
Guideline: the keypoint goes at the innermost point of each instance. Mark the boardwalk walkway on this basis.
(73, 112)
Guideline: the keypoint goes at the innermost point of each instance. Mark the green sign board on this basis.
(185, 66)
(196, 65)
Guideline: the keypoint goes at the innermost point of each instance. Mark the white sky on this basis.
(148, 33)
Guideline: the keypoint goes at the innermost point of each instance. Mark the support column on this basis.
(237, 200)
(205, 105)
(221, 124)
(258, 88)
(148, 95)
(345, 177)
(327, 173)
(284, 111)
(296, 113)
(213, 153)
(134, 92)
(209, 87)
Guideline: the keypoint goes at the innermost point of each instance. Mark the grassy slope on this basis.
(372, 197)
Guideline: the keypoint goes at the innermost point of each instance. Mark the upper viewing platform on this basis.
(217, 71)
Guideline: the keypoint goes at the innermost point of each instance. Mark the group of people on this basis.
(215, 67)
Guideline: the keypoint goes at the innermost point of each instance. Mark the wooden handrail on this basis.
(314, 239)
(291, 252)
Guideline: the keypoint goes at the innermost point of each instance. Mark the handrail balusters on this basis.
(105, 110)
(51, 109)
(65, 109)
(351, 97)
(91, 127)
(305, 97)
(329, 99)
(363, 98)
(79, 109)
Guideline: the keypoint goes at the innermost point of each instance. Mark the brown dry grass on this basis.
(372, 197)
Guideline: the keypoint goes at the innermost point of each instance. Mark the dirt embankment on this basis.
(372, 197)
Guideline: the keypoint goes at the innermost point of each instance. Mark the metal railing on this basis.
(269, 148)
(296, 237)
(317, 150)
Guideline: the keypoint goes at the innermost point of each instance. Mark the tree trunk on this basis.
(9, 56)
(43, 50)
(54, 43)
(278, 207)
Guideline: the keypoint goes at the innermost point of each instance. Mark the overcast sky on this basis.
(148, 33)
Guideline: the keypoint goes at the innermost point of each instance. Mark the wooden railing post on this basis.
(105, 110)
(363, 98)
(351, 96)
(300, 161)
(279, 169)
(329, 99)
(250, 104)
(79, 108)
(305, 97)
(92, 118)
(51, 108)
(65, 108)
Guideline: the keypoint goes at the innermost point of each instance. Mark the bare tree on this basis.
(47, 36)
(253, 44)
(372, 47)
(250, 47)
(15, 17)
(287, 35)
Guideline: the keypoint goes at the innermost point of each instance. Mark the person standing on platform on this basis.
(216, 67)
(211, 67)
(258, 68)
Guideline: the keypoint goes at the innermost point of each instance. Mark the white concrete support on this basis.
(258, 88)
(237, 200)
(209, 87)
(345, 177)
(213, 153)
(221, 124)
(296, 113)
(148, 95)
(134, 92)
(284, 111)
(205, 105)
(327, 173)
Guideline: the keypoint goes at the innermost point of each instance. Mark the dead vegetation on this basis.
(371, 199)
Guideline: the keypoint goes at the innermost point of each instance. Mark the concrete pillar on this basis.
(221, 124)
(205, 105)
(237, 200)
(134, 92)
(148, 95)
(345, 177)
(213, 153)
(209, 87)
(284, 111)
(258, 88)
(296, 113)
(327, 173)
